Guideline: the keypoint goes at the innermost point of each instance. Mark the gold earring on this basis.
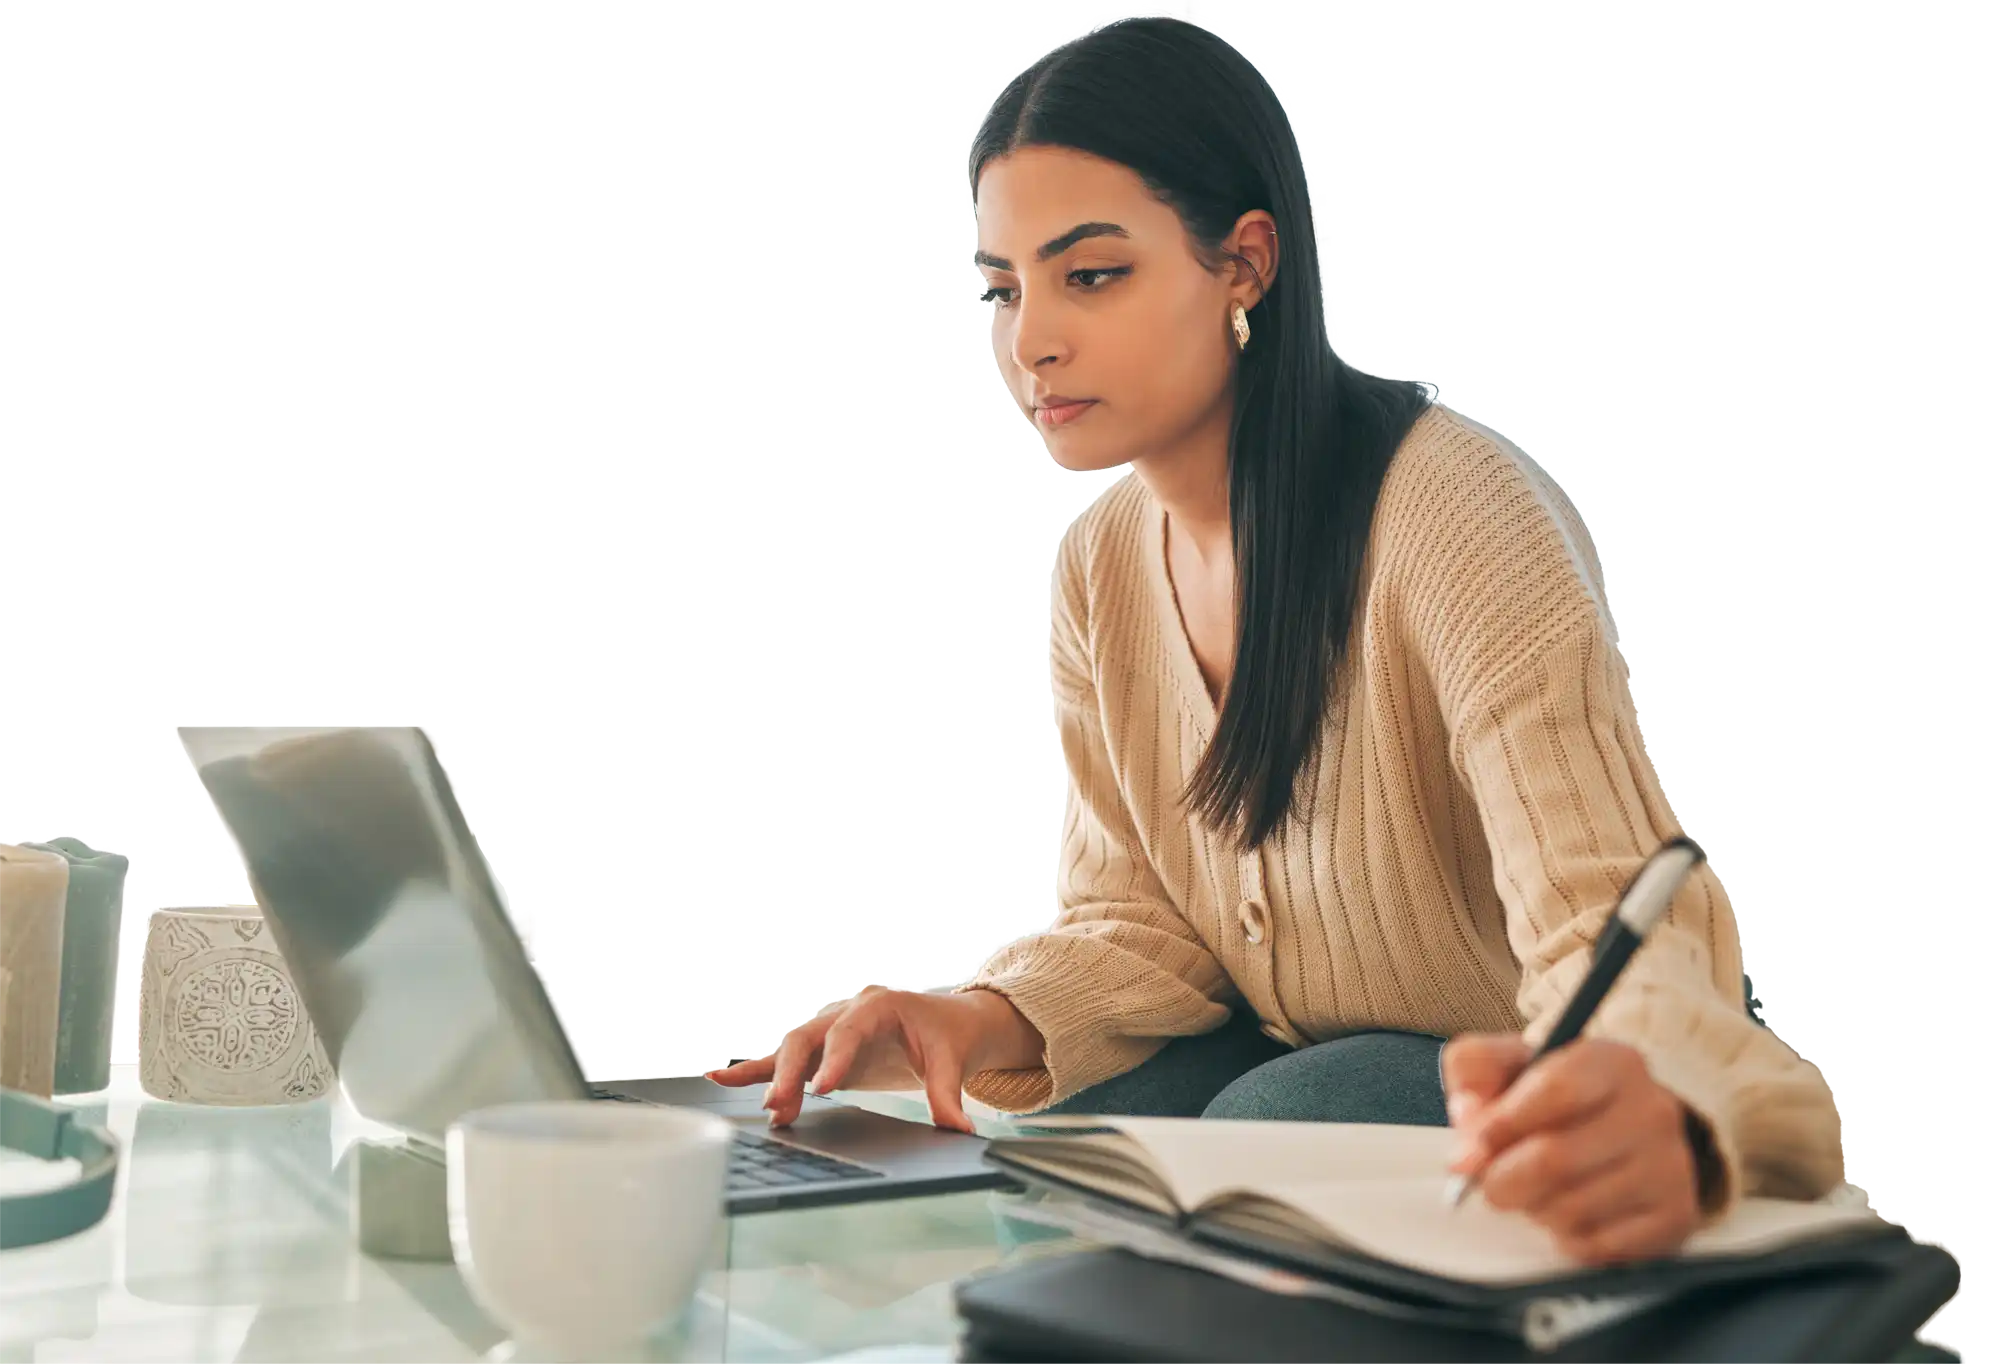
(1241, 321)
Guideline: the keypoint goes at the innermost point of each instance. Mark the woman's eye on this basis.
(1110, 272)
(1091, 285)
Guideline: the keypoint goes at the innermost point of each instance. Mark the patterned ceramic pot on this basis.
(220, 1021)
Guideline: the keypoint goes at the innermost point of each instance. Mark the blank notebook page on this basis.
(1407, 1221)
(1198, 1157)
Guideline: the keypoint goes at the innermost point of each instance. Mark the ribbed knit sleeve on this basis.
(1119, 972)
(1506, 610)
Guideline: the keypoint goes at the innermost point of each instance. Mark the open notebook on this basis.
(1347, 1196)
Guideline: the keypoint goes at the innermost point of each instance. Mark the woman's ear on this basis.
(1255, 239)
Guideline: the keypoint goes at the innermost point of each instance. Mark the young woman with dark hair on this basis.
(1354, 765)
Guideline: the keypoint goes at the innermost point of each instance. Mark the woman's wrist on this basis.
(1007, 1040)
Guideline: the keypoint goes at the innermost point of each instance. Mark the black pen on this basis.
(1643, 904)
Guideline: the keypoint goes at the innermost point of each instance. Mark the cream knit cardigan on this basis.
(1481, 797)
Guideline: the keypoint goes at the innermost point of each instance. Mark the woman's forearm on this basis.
(1008, 1041)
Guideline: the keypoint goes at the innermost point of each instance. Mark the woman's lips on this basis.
(1063, 413)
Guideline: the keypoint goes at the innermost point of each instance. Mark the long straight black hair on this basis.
(1310, 438)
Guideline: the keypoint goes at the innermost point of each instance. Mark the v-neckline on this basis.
(1173, 626)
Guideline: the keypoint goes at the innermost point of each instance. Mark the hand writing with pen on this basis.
(1585, 1142)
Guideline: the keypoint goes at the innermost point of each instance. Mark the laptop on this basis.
(404, 958)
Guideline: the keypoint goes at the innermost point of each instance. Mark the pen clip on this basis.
(1651, 891)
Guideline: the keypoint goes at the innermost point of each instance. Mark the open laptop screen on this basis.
(388, 919)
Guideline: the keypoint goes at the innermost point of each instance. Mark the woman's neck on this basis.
(1191, 480)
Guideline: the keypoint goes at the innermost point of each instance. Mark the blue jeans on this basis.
(1237, 1072)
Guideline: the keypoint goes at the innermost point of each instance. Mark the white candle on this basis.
(34, 888)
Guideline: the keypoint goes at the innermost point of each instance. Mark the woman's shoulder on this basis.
(1450, 467)
(1104, 537)
(1462, 499)
(1478, 557)
(1098, 580)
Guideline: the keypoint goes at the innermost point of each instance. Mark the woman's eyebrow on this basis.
(1055, 246)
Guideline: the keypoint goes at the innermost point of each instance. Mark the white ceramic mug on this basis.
(584, 1226)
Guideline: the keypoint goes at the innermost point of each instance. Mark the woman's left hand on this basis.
(1587, 1143)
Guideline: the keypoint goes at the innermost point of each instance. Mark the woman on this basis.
(1354, 766)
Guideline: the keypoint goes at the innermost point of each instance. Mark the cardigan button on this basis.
(1278, 1032)
(1255, 917)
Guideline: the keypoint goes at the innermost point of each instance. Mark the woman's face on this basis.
(1097, 295)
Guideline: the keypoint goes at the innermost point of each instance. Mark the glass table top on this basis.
(229, 1239)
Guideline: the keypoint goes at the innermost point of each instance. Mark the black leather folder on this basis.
(1114, 1305)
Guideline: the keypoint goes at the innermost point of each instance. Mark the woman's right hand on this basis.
(894, 1039)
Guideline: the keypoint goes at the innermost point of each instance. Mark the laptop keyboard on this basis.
(757, 1162)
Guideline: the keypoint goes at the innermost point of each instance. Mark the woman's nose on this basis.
(1038, 337)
